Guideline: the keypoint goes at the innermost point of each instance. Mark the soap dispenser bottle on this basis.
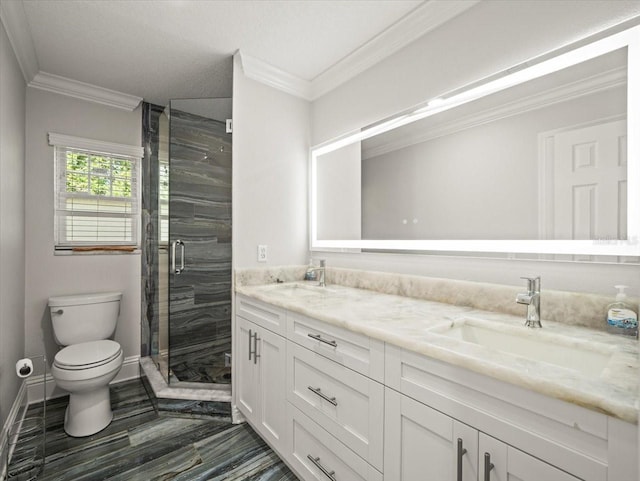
(622, 318)
(311, 274)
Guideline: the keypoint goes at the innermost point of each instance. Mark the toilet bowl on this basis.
(90, 361)
(85, 371)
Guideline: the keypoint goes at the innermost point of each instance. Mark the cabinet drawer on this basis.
(353, 350)
(347, 404)
(318, 456)
(263, 314)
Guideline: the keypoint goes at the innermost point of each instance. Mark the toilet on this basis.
(90, 361)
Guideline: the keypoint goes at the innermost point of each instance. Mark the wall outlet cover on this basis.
(262, 253)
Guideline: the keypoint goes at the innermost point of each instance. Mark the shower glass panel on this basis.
(194, 237)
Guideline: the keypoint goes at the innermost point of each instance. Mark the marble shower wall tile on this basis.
(200, 216)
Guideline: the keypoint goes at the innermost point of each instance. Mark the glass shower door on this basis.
(199, 239)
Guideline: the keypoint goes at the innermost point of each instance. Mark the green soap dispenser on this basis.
(622, 318)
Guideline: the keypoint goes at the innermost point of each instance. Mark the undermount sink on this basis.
(535, 344)
(299, 289)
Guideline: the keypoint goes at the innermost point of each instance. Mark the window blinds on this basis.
(97, 198)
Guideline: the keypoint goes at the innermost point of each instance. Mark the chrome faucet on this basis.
(320, 270)
(532, 300)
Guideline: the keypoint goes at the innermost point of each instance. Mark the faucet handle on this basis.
(533, 283)
(323, 262)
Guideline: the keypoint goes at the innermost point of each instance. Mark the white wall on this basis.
(12, 159)
(491, 36)
(270, 157)
(48, 274)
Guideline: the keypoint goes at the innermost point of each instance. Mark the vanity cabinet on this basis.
(338, 405)
(260, 381)
(422, 443)
(588, 445)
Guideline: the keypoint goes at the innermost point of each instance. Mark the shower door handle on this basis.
(177, 270)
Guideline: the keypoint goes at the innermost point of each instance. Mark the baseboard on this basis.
(236, 416)
(35, 388)
(16, 414)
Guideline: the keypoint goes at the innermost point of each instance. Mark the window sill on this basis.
(69, 252)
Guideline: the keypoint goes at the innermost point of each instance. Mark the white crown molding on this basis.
(417, 23)
(596, 83)
(84, 91)
(262, 72)
(95, 145)
(17, 28)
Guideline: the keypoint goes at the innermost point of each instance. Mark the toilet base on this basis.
(88, 412)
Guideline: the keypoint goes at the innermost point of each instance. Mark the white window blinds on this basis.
(96, 193)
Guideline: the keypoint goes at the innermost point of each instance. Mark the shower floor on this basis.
(190, 368)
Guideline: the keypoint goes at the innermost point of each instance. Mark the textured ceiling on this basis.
(182, 48)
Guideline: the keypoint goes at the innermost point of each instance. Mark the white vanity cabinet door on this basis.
(315, 455)
(246, 384)
(261, 381)
(347, 404)
(421, 443)
(511, 464)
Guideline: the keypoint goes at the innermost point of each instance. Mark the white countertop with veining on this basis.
(419, 325)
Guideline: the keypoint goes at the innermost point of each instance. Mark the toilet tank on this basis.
(84, 317)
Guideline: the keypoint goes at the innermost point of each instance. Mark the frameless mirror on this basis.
(535, 161)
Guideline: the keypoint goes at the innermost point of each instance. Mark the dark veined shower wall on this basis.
(200, 217)
(187, 209)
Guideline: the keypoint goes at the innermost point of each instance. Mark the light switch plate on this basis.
(262, 253)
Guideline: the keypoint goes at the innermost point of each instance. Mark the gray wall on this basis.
(270, 157)
(489, 37)
(48, 274)
(12, 252)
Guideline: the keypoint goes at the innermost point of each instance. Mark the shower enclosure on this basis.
(186, 326)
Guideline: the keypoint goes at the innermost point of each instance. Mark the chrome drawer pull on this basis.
(461, 452)
(317, 391)
(488, 466)
(318, 337)
(316, 462)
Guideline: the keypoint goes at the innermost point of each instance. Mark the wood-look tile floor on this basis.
(139, 445)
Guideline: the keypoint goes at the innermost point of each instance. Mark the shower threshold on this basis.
(186, 398)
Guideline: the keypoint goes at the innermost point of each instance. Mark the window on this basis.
(96, 193)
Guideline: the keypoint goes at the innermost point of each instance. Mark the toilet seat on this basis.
(87, 355)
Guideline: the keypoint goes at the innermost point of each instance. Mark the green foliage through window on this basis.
(98, 175)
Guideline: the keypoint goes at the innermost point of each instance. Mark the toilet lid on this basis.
(87, 354)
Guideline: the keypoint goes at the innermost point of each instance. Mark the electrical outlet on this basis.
(262, 253)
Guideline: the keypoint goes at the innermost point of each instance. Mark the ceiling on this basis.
(183, 48)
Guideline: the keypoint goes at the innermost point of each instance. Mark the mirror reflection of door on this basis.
(590, 183)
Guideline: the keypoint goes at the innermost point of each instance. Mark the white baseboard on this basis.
(130, 370)
(16, 414)
(236, 416)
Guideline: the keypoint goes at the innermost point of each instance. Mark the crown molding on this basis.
(19, 33)
(414, 25)
(265, 73)
(84, 91)
(596, 83)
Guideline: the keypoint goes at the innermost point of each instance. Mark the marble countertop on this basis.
(603, 378)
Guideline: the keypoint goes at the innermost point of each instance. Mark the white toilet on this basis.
(84, 323)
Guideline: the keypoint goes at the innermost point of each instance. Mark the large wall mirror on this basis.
(543, 159)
